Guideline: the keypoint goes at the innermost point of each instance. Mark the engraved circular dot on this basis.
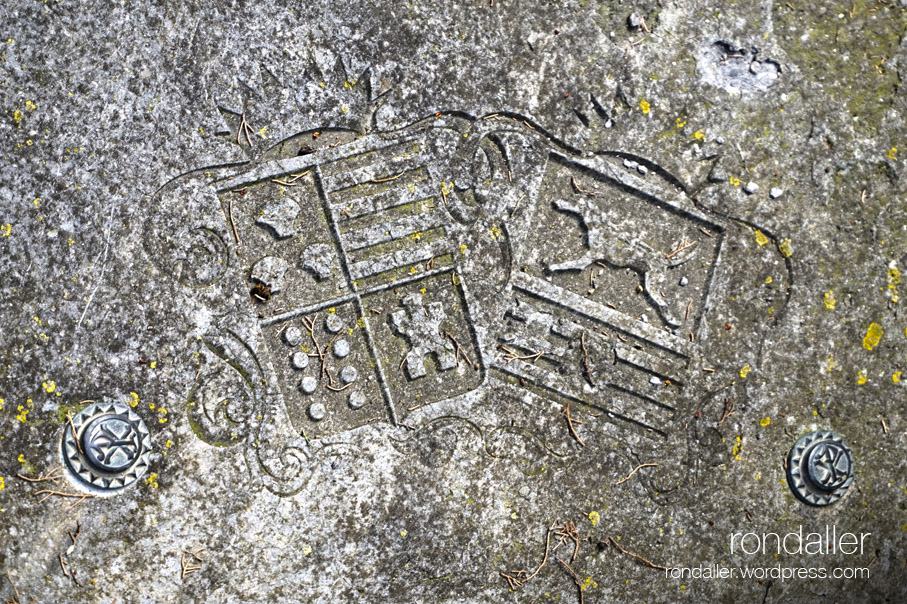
(357, 400)
(299, 360)
(348, 375)
(341, 348)
(292, 336)
(308, 384)
(317, 411)
(333, 323)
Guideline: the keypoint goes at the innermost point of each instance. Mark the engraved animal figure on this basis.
(608, 243)
(421, 326)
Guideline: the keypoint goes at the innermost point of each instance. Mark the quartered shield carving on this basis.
(416, 270)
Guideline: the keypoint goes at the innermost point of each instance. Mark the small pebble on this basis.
(317, 411)
(341, 348)
(348, 375)
(684, 281)
(720, 140)
(299, 360)
(776, 192)
(630, 165)
(634, 20)
(642, 170)
(644, 318)
(524, 491)
(655, 381)
(751, 188)
(333, 323)
(308, 384)
(292, 336)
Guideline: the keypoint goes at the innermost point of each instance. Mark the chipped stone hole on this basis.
(736, 69)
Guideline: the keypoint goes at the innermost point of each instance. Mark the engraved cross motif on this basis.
(422, 329)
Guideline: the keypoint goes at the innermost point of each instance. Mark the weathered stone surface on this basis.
(397, 288)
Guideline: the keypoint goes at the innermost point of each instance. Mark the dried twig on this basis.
(636, 469)
(614, 542)
(570, 422)
(517, 204)
(244, 128)
(74, 537)
(80, 497)
(377, 180)
(52, 476)
(17, 599)
(512, 354)
(568, 531)
(187, 566)
(233, 222)
(884, 426)
(580, 189)
(579, 584)
(689, 306)
(728, 410)
(684, 245)
(459, 349)
(514, 579)
(586, 370)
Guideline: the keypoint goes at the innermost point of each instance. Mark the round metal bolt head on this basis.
(348, 375)
(107, 446)
(820, 468)
(308, 384)
(341, 348)
(292, 336)
(299, 360)
(333, 323)
(317, 411)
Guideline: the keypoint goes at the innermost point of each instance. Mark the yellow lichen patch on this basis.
(587, 583)
(896, 377)
(594, 517)
(784, 248)
(463, 248)
(830, 301)
(765, 421)
(496, 232)
(153, 365)
(161, 415)
(873, 336)
(681, 122)
(306, 549)
(745, 370)
(6, 229)
(698, 135)
(738, 448)
(1, 404)
(761, 239)
(151, 481)
(132, 400)
(361, 322)
(893, 153)
(644, 106)
(734, 181)
(49, 386)
(403, 533)
(830, 364)
(861, 377)
(2, 483)
(894, 278)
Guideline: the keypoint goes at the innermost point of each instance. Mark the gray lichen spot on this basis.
(293, 337)
(317, 411)
(308, 384)
(356, 400)
(333, 323)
